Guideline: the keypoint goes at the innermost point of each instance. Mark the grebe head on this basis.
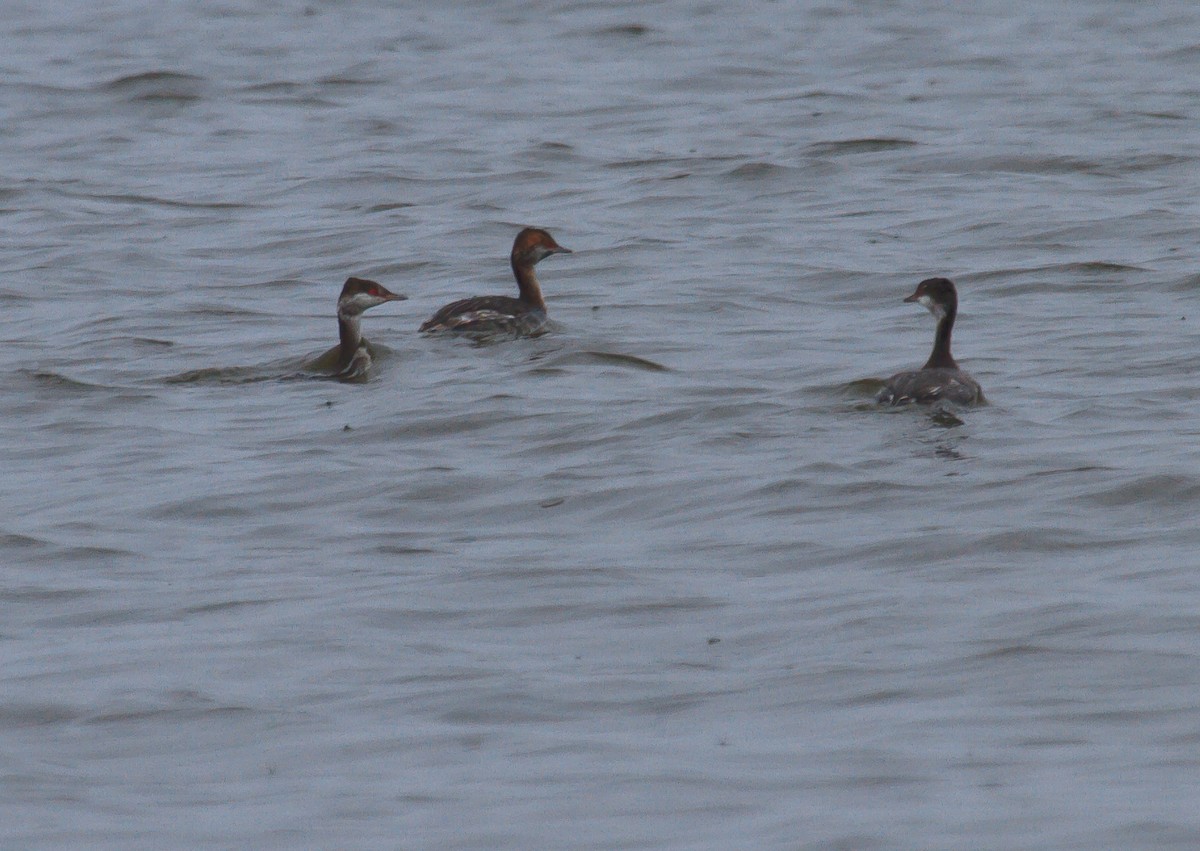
(938, 295)
(533, 244)
(359, 294)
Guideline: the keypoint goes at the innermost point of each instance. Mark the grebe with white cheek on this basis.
(353, 352)
(940, 378)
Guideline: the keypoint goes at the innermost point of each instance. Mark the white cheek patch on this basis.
(932, 306)
(364, 301)
(358, 303)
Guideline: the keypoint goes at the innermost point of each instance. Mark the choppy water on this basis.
(664, 578)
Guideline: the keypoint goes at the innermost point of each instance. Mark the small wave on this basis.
(1188, 283)
(222, 311)
(1189, 53)
(151, 342)
(234, 375)
(1088, 266)
(171, 714)
(87, 553)
(151, 200)
(302, 98)
(148, 76)
(1088, 272)
(399, 550)
(609, 359)
(1084, 267)
(859, 146)
(227, 605)
(221, 375)
(1045, 165)
(812, 94)
(1035, 165)
(48, 378)
(626, 30)
(758, 170)
(549, 151)
(938, 164)
(1045, 539)
(347, 80)
(387, 208)
(1118, 166)
(1071, 471)
(1165, 116)
(36, 715)
(675, 161)
(40, 595)
(277, 87)
(157, 86)
(25, 542)
(56, 552)
(1017, 649)
(1162, 489)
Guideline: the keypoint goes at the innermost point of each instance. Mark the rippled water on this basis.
(664, 578)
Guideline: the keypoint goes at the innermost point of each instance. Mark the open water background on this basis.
(544, 594)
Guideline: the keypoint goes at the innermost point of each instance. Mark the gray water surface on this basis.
(665, 578)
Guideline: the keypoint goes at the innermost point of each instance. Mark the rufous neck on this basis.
(527, 283)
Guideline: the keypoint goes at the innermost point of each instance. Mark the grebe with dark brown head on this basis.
(501, 315)
(940, 378)
(353, 353)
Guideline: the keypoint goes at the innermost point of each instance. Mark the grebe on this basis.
(495, 315)
(940, 377)
(353, 352)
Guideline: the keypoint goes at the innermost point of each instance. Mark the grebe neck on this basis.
(350, 335)
(527, 283)
(940, 357)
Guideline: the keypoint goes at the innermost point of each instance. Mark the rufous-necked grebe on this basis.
(501, 315)
(353, 353)
(940, 378)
